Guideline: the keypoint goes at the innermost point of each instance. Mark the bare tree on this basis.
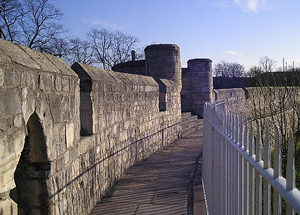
(80, 51)
(11, 12)
(267, 64)
(111, 48)
(39, 24)
(225, 69)
(31, 22)
(254, 71)
(279, 105)
(59, 47)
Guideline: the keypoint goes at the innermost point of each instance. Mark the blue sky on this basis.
(232, 30)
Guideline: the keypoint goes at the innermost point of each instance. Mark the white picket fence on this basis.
(237, 178)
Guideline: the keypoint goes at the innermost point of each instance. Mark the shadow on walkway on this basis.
(161, 184)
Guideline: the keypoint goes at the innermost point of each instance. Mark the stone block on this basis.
(28, 106)
(40, 59)
(73, 153)
(61, 65)
(12, 78)
(65, 84)
(18, 121)
(17, 54)
(58, 83)
(46, 82)
(5, 123)
(10, 101)
(42, 109)
(60, 164)
(29, 79)
(55, 107)
(59, 138)
(8, 207)
(65, 108)
(7, 171)
(1, 76)
(70, 134)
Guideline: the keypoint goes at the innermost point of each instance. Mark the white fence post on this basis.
(277, 172)
(290, 171)
(246, 171)
(258, 178)
(233, 168)
(251, 172)
(267, 164)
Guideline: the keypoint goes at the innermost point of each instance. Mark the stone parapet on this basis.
(90, 129)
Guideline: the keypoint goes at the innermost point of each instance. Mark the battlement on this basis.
(78, 128)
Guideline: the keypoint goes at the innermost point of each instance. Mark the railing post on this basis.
(233, 167)
(223, 167)
(251, 173)
(241, 169)
(246, 171)
(290, 171)
(277, 172)
(267, 164)
(258, 178)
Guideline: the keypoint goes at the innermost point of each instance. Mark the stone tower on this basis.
(202, 84)
(163, 62)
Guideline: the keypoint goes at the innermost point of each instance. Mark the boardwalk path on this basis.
(162, 184)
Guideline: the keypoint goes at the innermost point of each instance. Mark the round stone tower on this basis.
(163, 61)
(202, 84)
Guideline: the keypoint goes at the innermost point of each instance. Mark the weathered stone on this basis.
(46, 82)
(5, 123)
(69, 134)
(18, 121)
(58, 83)
(28, 106)
(55, 107)
(61, 65)
(7, 171)
(40, 59)
(1, 76)
(42, 109)
(10, 101)
(60, 164)
(123, 109)
(66, 84)
(197, 81)
(29, 79)
(8, 207)
(59, 138)
(17, 54)
(12, 78)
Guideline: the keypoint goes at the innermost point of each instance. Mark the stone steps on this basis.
(189, 123)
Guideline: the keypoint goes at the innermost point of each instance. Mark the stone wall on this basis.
(77, 136)
(276, 105)
(234, 98)
(38, 92)
(197, 86)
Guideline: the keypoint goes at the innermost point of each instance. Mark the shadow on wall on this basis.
(86, 106)
(31, 173)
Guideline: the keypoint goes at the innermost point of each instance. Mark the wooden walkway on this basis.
(163, 184)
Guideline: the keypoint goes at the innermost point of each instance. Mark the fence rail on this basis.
(237, 173)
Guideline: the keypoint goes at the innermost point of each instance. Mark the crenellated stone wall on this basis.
(38, 93)
(67, 135)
